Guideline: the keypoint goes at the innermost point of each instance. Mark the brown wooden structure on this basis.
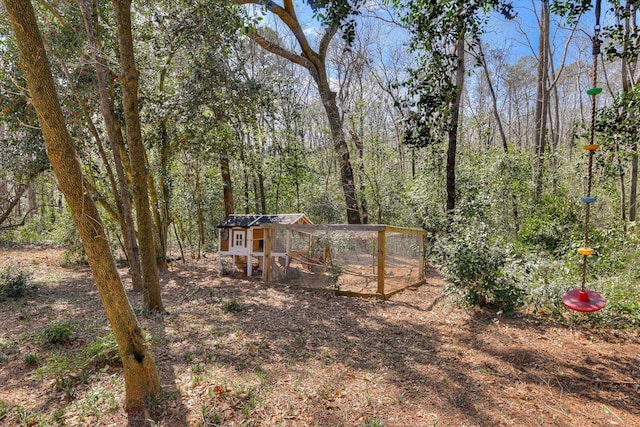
(241, 237)
(378, 279)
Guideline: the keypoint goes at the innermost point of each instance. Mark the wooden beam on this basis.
(382, 243)
(346, 227)
(422, 260)
(405, 230)
(325, 227)
(266, 271)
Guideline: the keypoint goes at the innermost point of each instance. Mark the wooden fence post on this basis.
(382, 243)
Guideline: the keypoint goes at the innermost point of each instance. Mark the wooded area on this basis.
(129, 130)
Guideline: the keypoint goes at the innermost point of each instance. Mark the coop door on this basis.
(238, 238)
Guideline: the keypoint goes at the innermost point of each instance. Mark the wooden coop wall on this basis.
(359, 260)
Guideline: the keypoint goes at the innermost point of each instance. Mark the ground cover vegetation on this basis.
(380, 119)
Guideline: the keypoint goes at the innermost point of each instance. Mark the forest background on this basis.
(130, 130)
(469, 125)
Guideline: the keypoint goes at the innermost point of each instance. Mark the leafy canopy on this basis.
(436, 27)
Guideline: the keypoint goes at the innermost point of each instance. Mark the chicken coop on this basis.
(241, 246)
(358, 260)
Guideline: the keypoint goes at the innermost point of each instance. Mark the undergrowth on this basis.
(14, 283)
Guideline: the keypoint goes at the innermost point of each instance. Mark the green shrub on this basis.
(232, 306)
(102, 351)
(556, 227)
(14, 283)
(476, 267)
(31, 359)
(333, 276)
(57, 334)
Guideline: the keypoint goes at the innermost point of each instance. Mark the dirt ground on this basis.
(236, 352)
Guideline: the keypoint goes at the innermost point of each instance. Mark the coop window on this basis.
(238, 238)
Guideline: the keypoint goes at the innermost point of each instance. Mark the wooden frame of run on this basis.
(382, 232)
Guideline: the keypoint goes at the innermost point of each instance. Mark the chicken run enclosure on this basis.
(358, 260)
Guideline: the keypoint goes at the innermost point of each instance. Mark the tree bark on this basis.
(453, 128)
(328, 98)
(359, 144)
(140, 373)
(161, 261)
(227, 186)
(494, 100)
(129, 82)
(542, 96)
(115, 139)
(628, 71)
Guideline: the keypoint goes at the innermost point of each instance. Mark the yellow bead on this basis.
(585, 251)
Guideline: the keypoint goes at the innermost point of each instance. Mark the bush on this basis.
(75, 368)
(14, 284)
(232, 306)
(555, 227)
(102, 351)
(57, 334)
(476, 267)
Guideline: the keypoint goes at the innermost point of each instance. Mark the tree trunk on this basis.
(494, 100)
(328, 98)
(161, 261)
(197, 195)
(163, 217)
(315, 63)
(453, 128)
(227, 186)
(263, 197)
(542, 95)
(164, 204)
(623, 191)
(628, 71)
(359, 144)
(115, 139)
(140, 373)
(129, 82)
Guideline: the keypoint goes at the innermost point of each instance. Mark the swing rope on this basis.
(592, 133)
(582, 299)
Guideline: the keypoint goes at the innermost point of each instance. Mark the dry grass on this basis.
(234, 352)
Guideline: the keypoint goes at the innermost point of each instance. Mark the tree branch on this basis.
(18, 224)
(288, 16)
(21, 189)
(326, 39)
(280, 51)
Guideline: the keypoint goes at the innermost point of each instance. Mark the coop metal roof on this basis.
(247, 221)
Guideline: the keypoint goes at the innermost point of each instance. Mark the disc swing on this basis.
(581, 299)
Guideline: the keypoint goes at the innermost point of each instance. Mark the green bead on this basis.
(594, 91)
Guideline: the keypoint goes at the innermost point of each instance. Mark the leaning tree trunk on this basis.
(140, 372)
(129, 82)
(8, 209)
